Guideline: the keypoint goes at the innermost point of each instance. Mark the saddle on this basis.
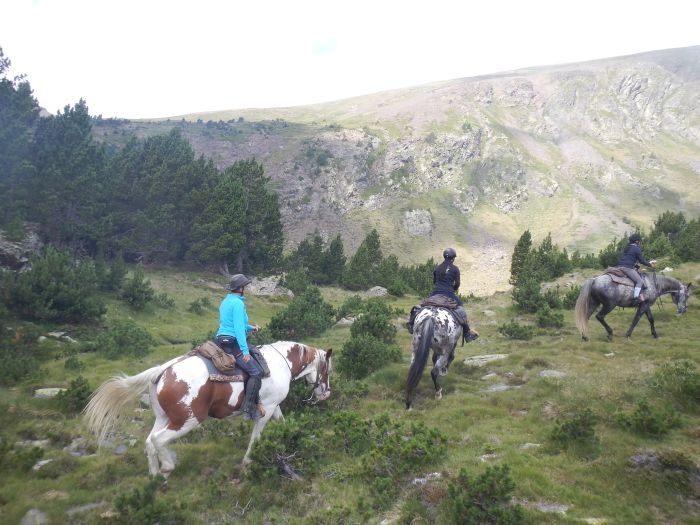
(222, 366)
(619, 277)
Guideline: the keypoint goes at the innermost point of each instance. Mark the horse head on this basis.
(314, 365)
(680, 298)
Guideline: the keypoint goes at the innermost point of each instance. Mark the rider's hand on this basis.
(246, 358)
(652, 262)
(255, 328)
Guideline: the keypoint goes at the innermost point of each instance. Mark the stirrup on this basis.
(409, 327)
(471, 335)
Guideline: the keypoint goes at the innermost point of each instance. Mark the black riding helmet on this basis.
(449, 253)
(635, 237)
(238, 281)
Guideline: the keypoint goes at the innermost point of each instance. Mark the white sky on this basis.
(154, 58)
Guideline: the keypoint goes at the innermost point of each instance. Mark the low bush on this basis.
(124, 338)
(199, 306)
(163, 300)
(576, 429)
(552, 298)
(568, 302)
(650, 421)
(549, 318)
(484, 499)
(364, 354)
(680, 381)
(142, 506)
(75, 397)
(515, 330)
(137, 291)
(307, 315)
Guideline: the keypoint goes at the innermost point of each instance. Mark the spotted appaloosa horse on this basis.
(434, 328)
(183, 395)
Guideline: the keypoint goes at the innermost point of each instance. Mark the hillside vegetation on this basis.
(592, 432)
(582, 150)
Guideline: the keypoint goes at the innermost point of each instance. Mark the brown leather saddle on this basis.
(222, 366)
(619, 277)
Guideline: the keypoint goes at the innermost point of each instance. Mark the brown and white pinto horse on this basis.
(183, 395)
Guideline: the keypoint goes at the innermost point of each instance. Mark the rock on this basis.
(426, 478)
(41, 464)
(121, 450)
(551, 507)
(489, 313)
(41, 443)
(345, 321)
(145, 400)
(527, 446)
(15, 254)
(501, 387)
(268, 286)
(481, 360)
(78, 447)
(552, 374)
(86, 507)
(34, 517)
(377, 291)
(418, 222)
(611, 354)
(595, 521)
(487, 457)
(47, 393)
(491, 375)
(55, 494)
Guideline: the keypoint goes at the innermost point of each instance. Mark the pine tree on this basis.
(334, 260)
(520, 255)
(362, 270)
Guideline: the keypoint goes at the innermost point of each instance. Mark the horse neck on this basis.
(666, 284)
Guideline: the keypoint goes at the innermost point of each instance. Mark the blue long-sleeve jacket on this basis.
(233, 320)
(632, 255)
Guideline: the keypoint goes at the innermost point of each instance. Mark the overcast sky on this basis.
(153, 58)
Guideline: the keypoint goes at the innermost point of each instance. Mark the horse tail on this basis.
(111, 397)
(582, 304)
(420, 357)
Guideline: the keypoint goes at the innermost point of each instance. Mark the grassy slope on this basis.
(475, 422)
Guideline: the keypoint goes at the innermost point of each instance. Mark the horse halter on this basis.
(317, 383)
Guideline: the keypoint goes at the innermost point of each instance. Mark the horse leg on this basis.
(258, 427)
(607, 308)
(635, 320)
(592, 305)
(277, 414)
(162, 437)
(647, 311)
(435, 374)
(151, 450)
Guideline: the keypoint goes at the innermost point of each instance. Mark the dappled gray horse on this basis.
(603, 290)
(434, 328)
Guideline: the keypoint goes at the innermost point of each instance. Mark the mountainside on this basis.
(583, 151)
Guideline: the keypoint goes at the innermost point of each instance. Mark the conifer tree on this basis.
(363, 269)
(520, 255)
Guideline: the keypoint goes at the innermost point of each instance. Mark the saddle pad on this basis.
(215, 374)
(220, 378)
(441, 301)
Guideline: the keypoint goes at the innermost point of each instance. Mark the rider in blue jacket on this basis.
(231, 336)
(631, 257)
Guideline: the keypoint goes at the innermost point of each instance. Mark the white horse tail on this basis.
(110, 398)
(582, 304)
(420, 357)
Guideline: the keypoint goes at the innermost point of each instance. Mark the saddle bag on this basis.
(224, 362)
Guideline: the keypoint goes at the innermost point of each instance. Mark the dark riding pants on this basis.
(634, 275)
(230, 346)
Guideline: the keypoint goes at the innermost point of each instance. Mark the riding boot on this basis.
(412, 318)
(469, 334)
(250, 404)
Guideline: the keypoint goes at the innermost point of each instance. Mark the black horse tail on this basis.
(420, 357)
(582, 304)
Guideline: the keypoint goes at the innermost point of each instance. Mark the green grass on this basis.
(208, 485)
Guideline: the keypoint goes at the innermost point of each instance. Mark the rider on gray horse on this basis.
(631, 257)
(446, 282)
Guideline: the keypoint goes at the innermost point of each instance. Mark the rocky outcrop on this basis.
(15, 253)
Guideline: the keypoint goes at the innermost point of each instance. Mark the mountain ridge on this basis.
(585, 151)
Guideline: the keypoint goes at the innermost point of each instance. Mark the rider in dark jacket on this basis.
(631, 257)
(446, 282)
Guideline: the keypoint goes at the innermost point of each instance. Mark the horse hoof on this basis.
(438, 395)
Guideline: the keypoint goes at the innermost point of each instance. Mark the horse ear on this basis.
(329, 352)
(689, 285)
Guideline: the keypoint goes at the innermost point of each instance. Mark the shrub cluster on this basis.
(306, 315)
(515, 330)
(124, 338)
(485, 498)
(680, 380)
(648, 420)
(137, 291)
(75, 397)
(575, 430)
(372, 342)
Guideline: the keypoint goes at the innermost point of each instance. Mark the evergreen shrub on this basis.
(486, 498)
(306, 315)
(549, 318)
(648, 420)
(515, 330)
(124, 338)
(137, 291)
